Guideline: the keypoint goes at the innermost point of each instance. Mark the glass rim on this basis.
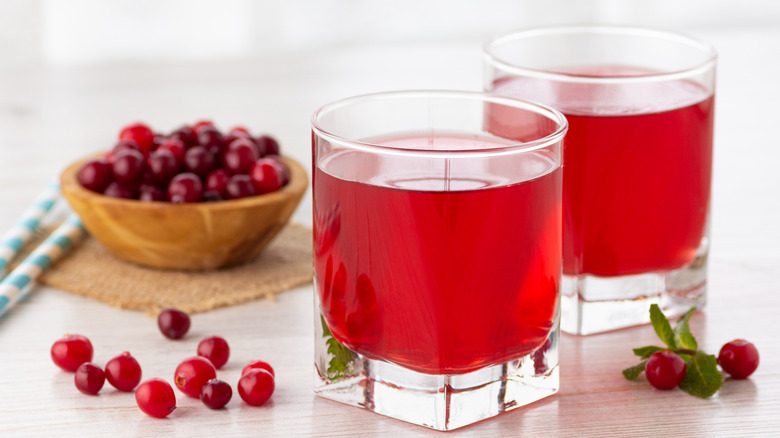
(648, 32)
(485, 97)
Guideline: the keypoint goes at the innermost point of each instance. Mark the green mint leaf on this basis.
(702, 378)
(342, 356)
(645, 352)
(682, 333)
(634, 372)
(662, 326)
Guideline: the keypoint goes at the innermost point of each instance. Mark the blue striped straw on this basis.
(20, 279)
(22, 231)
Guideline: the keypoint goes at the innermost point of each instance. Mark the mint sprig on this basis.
(339, 364)
(702, 377)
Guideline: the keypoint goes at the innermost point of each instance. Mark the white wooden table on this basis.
(49, 117)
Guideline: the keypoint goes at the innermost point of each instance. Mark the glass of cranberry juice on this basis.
(638, 163)
(437, 254)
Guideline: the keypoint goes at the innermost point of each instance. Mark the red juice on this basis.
(442, 275)
(637, 170)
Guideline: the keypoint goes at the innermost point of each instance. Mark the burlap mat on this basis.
(90, 270)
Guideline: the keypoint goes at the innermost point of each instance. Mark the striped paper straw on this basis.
(21, 278)
(22, 231)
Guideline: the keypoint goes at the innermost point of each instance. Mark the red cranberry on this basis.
(216, 393)
(156, 398)
(266, 176)
(665, 369)
(217, 181)
(192, 374)
(185, 187)
(240, 157)
(70, 351)
(176, 147)
(95, 175)
(739, 358)
(199, 161)
(89, 378)
(256, 387)
(123, 372)
(239, 131)
(209, 136)
(200, 124)
(268, 144)
(239, 186)
(163, 166)
(128, 166)
(150, 193)
(215, 349)
(116, 190)
(173, 323)
(258, 364)
(186, 135)
(139, 133)
(283, 169)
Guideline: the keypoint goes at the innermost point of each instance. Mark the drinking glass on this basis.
(637, 162)
(437, 254)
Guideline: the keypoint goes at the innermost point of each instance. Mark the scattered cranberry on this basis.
(266, 176)
(163, 166)
(739, 358)
(216, 393)
(186, 187)
(156, 398)
(95, 175)
(192, 374)
(240, 186)
(199, 161)
(149, 192)
(123, 372)
(116, 190)
(256, 386)
(217, 181)
(665, 369)
(215, 349)
(89, 378)
(173, 323)
(70, 351)
(268, 144)
(139, 133)
(258, 364)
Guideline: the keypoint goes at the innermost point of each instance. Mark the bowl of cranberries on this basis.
(195, 199)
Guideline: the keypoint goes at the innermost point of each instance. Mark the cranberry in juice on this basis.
(637, 170)
(441, 275)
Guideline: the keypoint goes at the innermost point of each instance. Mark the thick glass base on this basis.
(441, 402)
(591, 304)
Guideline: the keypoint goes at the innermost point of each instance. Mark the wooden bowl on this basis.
(192, 236)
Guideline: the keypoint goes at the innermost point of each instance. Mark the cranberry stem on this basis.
(686, 351)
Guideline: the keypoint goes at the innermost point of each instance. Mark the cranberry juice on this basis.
(638, 165)
(440, 267)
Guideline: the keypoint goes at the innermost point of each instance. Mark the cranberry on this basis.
(209, 136)
(738, 358)
(192, 374)
(163, 166)
(268, 144)
(116, 190)
(139, 133)
(239, 131)
(150, 192)
(156, 398)
(95, 175)
(217, 181)
(200, 124)
(185, 187)
(256, 386)
(266, 176)
(212, 196)
(89, 378)
(258, 364)
(665, 369)
(123, 372)
(284, 170)
(240, 186)
(240, 157)
(215, 349)
(185, 135)
(199, 161)
(70, 351)
(216, 393)
(176, 147)
(128, 166)
(173, 323)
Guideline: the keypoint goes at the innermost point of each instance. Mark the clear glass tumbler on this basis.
(637, 163)
(437, 254)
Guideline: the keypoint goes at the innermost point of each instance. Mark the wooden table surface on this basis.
(50, 116)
